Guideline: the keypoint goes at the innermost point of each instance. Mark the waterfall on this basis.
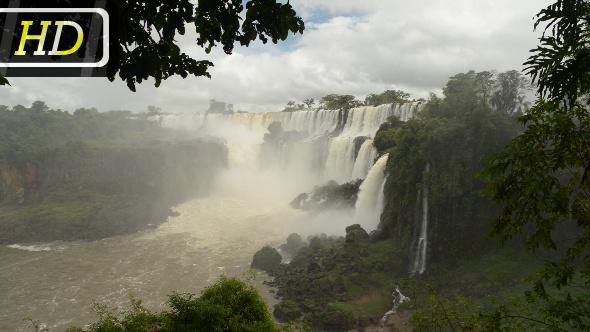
(340, 159)
(419, 265)
(362, 121)
(364, 160)
(326, 147)
(367, 209)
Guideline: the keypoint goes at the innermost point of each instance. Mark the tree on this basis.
(484, 82)
(147, 33)
(309, 102)
(543, 179)
(228, 305)
(339, 102)
(505, 92)
(153, 110)
(509, 88)
(39, 106)
(220, 107)
(387, 97)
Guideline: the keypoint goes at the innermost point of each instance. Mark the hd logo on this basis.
(26, 36)
(54, 41)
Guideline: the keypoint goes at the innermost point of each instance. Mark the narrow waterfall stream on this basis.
(419, 265)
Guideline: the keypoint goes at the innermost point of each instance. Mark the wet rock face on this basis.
(355, 234)
(293, 245)
(328, 196)
(266, 259)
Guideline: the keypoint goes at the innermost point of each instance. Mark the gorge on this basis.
(382, 198)
(248, 195)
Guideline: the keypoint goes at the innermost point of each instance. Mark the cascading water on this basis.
(367, 210)
(212, 236)
(419, 265)
(398, 299)
(333, 160)
(364, 160)
(363, 121)
(339, 165)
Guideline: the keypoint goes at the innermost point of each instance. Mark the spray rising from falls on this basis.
(287, 153)
(327, 147)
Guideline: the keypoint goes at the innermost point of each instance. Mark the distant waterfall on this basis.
(325, 151)
(419, 265)
(364, 160)
(361, 121)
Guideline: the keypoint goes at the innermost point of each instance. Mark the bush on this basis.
(228, 305)
(337, 316)
(287, 311)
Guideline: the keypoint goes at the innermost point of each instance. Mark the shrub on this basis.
(287, 311)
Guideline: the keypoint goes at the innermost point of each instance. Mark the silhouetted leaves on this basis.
(543, 179)
(147, 31)
(3, 80)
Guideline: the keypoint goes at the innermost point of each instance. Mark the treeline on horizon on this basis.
(504, 91)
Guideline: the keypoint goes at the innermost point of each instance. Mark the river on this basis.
(57, 283)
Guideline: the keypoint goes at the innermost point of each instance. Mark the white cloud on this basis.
(359, 47)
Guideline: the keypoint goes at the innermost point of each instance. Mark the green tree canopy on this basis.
(543, 179)
(339, 102)
(387, 97)
(229, 305)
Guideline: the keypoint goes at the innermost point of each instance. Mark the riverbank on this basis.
(105, 191)
(211, 237)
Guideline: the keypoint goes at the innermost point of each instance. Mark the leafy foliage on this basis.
(560, 65)
(339, 102)
(148, 30)
(228, 305)
(76, 176)
(387, 97)
(452, 135)
(4, 81)
(542, 180)
(326, 278)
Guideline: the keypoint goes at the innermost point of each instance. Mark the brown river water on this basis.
(57, 283)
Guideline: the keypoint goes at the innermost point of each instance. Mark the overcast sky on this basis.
(349, 47)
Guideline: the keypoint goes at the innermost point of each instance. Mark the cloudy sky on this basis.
(349, 46)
